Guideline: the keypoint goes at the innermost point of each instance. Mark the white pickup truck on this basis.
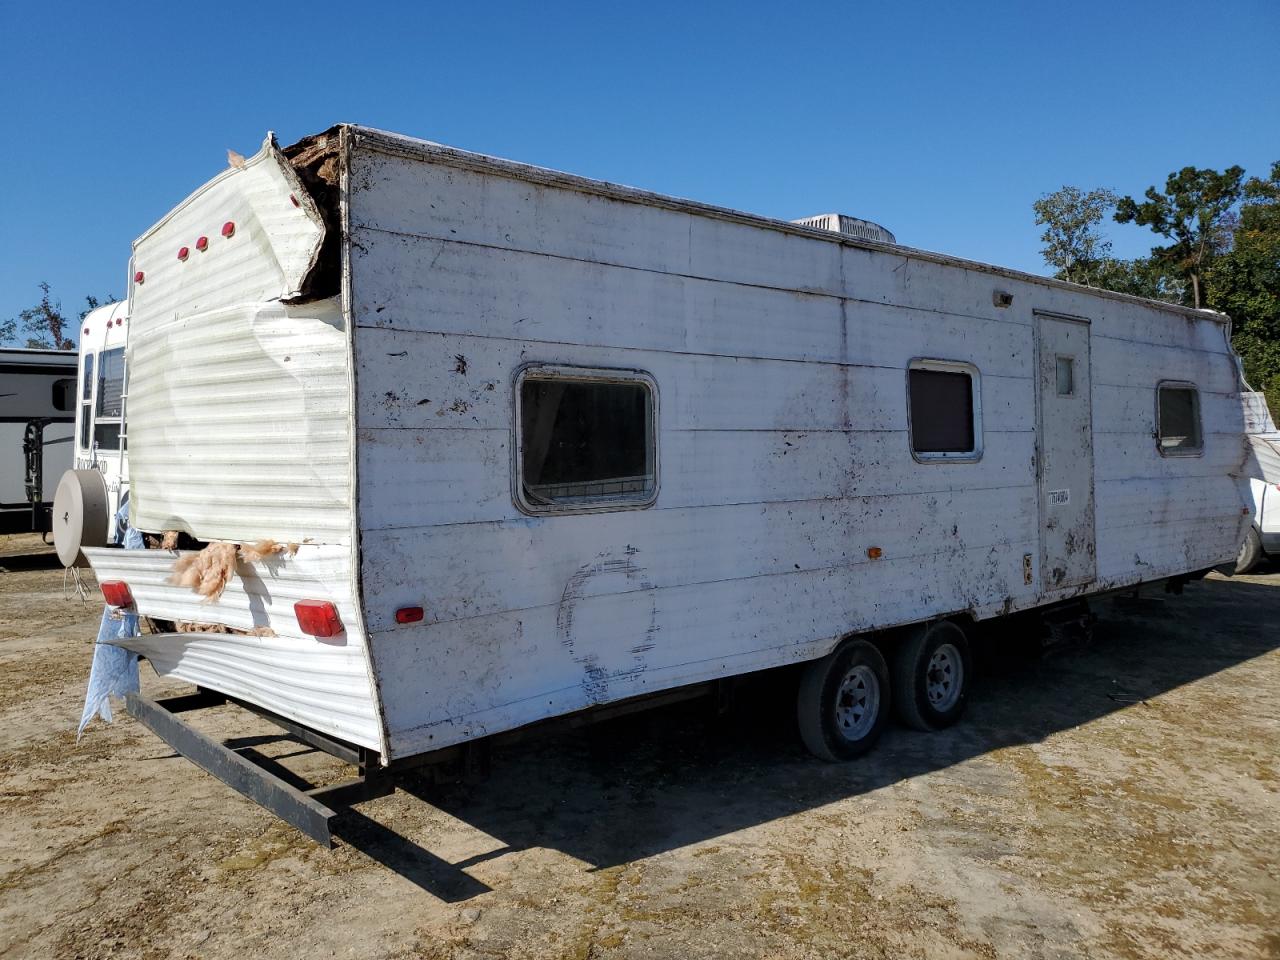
(1263, 537)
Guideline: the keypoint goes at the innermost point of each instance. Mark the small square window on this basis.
(944, 415)
(1066, 377)
(106, 436)
(586, 440)
(1178, 415)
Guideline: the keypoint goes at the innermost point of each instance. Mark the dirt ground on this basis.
(1120, 800)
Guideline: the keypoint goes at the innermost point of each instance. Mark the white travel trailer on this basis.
(545, 443)
(100, 435)
(90, 494)
(37, 410)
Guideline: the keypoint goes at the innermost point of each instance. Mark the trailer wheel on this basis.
(843, 702)
(931, 669)
(1250, 551)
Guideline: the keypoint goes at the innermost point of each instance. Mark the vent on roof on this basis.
(849, 226)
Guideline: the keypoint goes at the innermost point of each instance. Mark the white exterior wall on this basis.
(781, 364)
(240, 429)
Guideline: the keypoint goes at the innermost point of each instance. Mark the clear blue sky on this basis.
(943, 121)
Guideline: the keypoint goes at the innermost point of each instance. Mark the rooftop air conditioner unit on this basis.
(849, 226)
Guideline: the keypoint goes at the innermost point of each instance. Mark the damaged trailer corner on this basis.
(549, 447)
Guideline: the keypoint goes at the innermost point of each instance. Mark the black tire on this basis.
(839, 720)
(1250, 551)
(931, 671)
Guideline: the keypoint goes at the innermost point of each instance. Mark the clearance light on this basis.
(116, 593)
(294, 200)
(202, 244)
(228, 229)
(408, 615)
(183, 253)
(317, 618)
(139, 277)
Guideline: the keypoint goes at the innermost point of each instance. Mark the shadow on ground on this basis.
(14, 563)
(682, 775)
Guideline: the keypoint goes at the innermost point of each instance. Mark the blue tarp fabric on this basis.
(115, 670)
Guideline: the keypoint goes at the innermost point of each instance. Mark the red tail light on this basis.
(317, 618)
(408, 615)
(116, 593)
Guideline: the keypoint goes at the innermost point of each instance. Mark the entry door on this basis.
(1065, 453)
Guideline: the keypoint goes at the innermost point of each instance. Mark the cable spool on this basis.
(79, 515)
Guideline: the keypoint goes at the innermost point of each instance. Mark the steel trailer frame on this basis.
(313, 810)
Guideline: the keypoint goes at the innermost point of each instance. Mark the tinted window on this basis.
(941, 411)
(111, 383)
(87, 392)
(64, 394)
(584, 440)
(106, 436)
(1179, 412)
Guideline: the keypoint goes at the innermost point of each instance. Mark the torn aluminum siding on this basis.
(239, 425)
(323, 684)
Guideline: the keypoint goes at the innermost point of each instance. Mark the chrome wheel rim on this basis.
(944, 677)
(857, 703)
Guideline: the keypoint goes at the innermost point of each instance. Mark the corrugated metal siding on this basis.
(239, 424)
(239, 405)
(323, 684)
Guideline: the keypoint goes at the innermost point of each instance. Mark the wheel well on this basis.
(887, 640)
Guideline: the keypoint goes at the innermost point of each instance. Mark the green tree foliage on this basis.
(1224, 254)
(1194, 212)
(1078, 250)
(1073, 244)
(44, 326)
(1143, 277)
(1244, 282)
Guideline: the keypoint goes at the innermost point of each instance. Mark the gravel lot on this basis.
(1115, 801)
